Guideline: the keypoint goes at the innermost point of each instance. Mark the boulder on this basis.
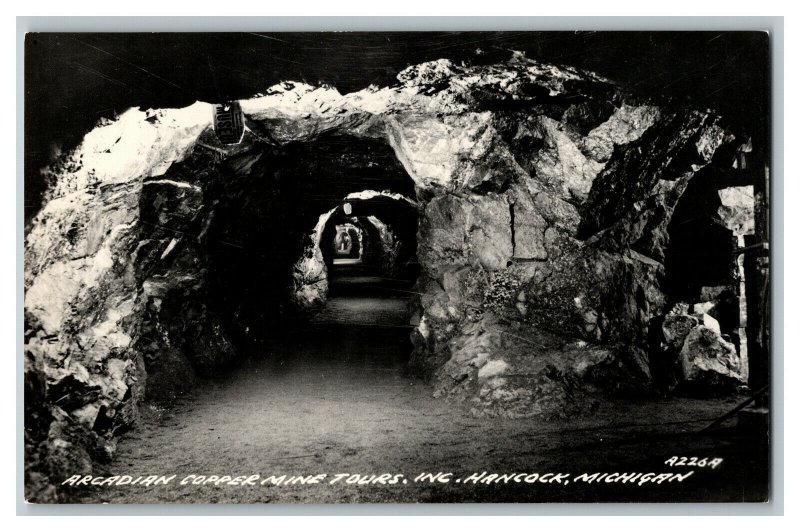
(504, 371)
(706, 356)
(70, 449)
(309, 281)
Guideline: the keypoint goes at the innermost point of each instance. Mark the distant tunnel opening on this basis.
(256, 225)
(360, 266)
(375, 231)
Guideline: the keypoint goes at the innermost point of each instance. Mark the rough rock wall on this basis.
(309, 290)
(545, 195)
(385, 247)
(84, 301)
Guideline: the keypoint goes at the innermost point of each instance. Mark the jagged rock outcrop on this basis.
(309, 291)
(544, 199)
(707, 356)
(696, 355)
(83, 302)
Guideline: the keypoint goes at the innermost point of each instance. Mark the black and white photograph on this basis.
(398, 267)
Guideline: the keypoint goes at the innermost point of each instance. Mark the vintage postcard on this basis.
(397, 267)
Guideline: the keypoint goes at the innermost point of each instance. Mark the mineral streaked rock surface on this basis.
(544, 196)
(389, 246)
(83, 302)
(707, 356)
(309, 290)
(676, 327)
(707, 362)
(737, 210)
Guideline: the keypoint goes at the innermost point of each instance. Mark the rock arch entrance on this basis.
(257, 272)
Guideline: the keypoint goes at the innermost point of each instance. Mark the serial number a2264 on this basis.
(693, 461)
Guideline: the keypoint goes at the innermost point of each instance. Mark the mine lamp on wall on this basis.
(348, 209)
(229, 122)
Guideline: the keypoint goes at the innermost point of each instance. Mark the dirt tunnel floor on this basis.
(336, 401)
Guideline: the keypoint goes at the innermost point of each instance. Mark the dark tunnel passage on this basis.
(368, 248)
(266, 203)
(702, 280)
(380, 230)
(700, 260)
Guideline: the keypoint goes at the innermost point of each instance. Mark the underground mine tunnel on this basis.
(515, 241)
(368, 248)
(264, 253)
